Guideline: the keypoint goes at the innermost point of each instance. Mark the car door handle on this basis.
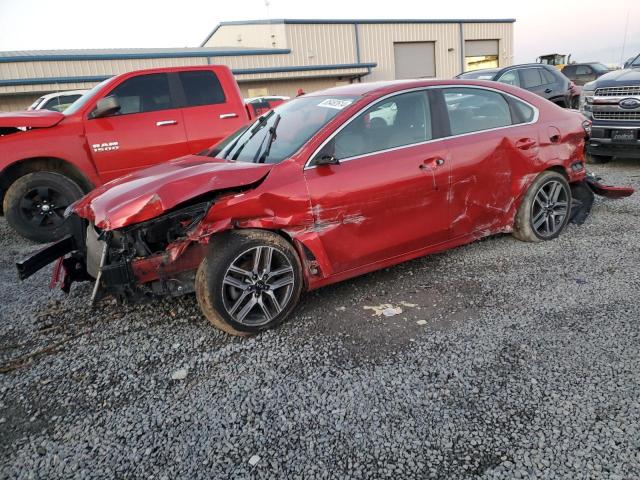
(548, 90)
(228, 115)
(525, 143)
(164, 123)
(432, 162)
(554, 138)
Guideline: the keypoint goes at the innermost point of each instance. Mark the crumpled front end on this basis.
(156, 257)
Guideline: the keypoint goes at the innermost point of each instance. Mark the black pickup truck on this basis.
(612, 103)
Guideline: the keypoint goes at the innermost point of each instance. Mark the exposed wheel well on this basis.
(39, 164)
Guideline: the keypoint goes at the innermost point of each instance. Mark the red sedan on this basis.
(325, 187)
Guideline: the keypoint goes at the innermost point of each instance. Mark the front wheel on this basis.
(544, 211)
(249, 281)
(35, 203)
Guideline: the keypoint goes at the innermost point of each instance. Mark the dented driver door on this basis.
(380, 204)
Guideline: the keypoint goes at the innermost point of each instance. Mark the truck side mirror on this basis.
(106, 106)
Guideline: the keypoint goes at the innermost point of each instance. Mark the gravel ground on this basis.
(509, 360)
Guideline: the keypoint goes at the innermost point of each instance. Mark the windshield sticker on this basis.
(335, 103)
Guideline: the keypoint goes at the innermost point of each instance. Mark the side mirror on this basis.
(106, 106)
(326, 160)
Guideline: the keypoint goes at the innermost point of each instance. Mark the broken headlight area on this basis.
(151, 258)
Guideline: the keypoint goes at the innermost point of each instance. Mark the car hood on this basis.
(31, 119)
(147, 193)
(617, 78)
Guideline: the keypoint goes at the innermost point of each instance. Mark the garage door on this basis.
(480, 54)
(415, 59)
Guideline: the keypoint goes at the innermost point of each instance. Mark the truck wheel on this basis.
(596, 159)
(249, 282)
(544, 211)
(35, 203)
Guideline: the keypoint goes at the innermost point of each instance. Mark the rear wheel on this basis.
(544, 211)
(596, 159)
(35, 203)
(249, 282)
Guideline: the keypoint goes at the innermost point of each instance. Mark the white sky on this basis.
(589, 29)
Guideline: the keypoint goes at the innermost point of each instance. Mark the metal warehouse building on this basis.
(277, 57)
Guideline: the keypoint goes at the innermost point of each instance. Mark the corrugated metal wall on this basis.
(310, 44)
(11, 103)
(376, 45)
(290, 88)
(257, 36)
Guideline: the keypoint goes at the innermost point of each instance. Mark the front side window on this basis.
(530, 77)
(404, 119)
(279, 133)
(510, 78)
(475, 109)
(145, 93)
(201, 87)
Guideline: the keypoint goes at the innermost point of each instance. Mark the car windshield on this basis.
(279, 133)
(599, 67)
(636, 62)
(479, 75)
(79, 103)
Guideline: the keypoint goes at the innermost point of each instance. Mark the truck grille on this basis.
(616, 115)
(618, 91)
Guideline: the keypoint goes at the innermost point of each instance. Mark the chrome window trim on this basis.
(536, 115)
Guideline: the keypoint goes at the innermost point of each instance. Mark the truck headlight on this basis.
(586, 101)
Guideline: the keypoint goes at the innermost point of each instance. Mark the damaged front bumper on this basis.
(152, 258)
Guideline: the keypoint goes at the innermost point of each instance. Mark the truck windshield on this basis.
(279, 133)
(79, 103)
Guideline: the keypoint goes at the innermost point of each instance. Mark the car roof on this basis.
(386, 87)
(483, 70)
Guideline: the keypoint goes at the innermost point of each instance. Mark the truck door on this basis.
(210, 111)
(148, 128)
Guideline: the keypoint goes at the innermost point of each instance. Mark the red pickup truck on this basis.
(50, 159)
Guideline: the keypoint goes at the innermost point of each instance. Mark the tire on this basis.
(596, 159)
(35, 203)
(545, 208)
(234, 295)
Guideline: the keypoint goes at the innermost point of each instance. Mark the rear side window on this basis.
(523, 113)
(583, 70)
(201, 87)
(530, 77)
(475, 109)
(145, 93)
(569, 70)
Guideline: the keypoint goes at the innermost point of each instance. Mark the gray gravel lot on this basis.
(510, 360)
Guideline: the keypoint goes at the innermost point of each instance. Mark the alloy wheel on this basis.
(257, 285)
(550, 208)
